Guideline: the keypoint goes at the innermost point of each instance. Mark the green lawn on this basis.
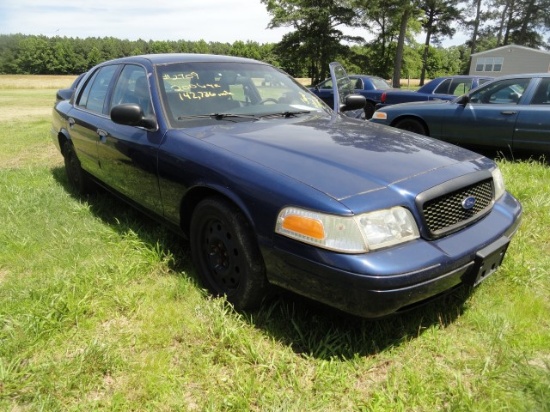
(100, 310)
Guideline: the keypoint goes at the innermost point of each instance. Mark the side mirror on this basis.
(130, 114)
(64, 94)
(463, 100)
(353, 102)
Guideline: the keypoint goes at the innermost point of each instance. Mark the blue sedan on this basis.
(440, 88)
(371, 87)
(272, 187)
(511, 113)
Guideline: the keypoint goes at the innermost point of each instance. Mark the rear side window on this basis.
(459, 87)
(542, 95)
(443, 88)
(454, 86)
(95, 92)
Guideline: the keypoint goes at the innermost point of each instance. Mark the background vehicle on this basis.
(66, 94)
(509, 113)
(271, 186)
(441, 88)
(371, 87)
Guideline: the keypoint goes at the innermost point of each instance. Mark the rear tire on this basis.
(226, 255)
(79, 181)
(412, 125)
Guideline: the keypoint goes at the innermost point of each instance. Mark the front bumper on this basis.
(383, 282)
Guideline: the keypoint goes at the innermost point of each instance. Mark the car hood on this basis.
(339, 157)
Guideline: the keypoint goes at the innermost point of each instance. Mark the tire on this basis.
(369, 110)
(78, 179)
(226, 255)
(412, 125)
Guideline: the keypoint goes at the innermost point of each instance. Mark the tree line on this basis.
(317, 38)
(31, 54)
(393, 25)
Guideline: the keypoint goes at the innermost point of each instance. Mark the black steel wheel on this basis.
(412, 125)
(226, 255)
(78, 179)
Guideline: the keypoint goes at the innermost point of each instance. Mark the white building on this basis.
(510, 59)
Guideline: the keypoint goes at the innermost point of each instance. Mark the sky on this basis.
(211, 20)
(223, 21)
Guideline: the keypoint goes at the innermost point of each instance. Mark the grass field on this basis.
(100, 310)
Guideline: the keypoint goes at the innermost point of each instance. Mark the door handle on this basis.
(508, 112)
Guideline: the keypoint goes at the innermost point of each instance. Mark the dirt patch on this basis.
(3, 275)
(16, 113)
(31, 81)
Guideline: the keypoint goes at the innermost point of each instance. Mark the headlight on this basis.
(498, 183)
(348, 234)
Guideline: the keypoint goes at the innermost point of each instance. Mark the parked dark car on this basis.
(511, 113)
(441, 88)
(272, 187)
(371, 87)
(66, 94)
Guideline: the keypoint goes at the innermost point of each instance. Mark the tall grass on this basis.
(100, 310)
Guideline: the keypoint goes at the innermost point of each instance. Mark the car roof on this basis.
(522, 75)
(367, 76)
(464, 76)
(169, 58)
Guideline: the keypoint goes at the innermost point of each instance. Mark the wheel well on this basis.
(409, 117)
(192, 199)
(62, 138)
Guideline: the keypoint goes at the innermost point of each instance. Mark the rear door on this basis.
(128, 154)
(89, 116)
(532, 131)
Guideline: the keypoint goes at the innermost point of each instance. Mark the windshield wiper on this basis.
(219, 116)
(287, 114)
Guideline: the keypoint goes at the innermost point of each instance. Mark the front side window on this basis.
(133, 87)
(94, 95)
(500, 92)
(198, 90)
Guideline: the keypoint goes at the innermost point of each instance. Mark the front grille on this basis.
(446, 213)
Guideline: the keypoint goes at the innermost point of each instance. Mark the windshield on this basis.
(192, 91)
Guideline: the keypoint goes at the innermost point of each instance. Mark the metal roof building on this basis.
(511, 59)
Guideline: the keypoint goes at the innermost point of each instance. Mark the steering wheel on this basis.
(269, 99)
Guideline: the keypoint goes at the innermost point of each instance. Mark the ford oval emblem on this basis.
(469, 203)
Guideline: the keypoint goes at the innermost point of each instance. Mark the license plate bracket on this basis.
(488, 260)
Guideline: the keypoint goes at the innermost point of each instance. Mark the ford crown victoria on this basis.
(273, 187)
